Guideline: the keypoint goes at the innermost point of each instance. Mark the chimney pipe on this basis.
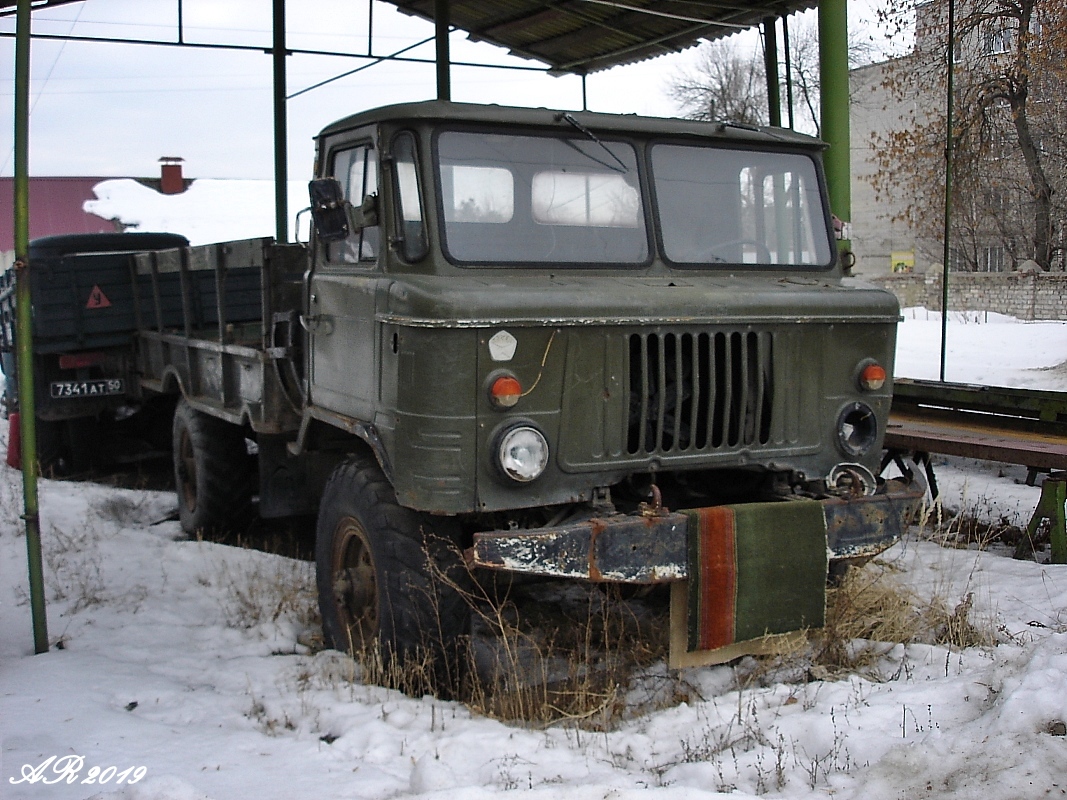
(171, 180)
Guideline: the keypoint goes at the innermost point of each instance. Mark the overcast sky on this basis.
(114, 109)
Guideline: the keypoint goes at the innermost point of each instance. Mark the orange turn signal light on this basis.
(505, 391)
(872, 377)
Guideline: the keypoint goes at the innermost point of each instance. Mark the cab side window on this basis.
(413, 244)
(356, 168)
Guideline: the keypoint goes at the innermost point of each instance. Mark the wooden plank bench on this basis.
(1014, 426)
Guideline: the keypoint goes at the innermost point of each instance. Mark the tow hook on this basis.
(655, 508)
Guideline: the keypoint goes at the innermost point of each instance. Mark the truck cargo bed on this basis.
(217, 325)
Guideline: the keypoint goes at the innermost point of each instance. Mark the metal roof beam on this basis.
(7, 8)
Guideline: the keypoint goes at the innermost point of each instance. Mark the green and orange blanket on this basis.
(755, 570)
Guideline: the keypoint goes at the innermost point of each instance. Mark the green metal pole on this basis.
(834, 99)
(770, 62)
(24, 321)
(281, 128)
(949, 103)
(788, 72)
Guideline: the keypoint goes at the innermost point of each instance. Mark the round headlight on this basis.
(522, 453)
(857, 429)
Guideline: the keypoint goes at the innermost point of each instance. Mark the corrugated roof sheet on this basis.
(585, 36)
(9, 6)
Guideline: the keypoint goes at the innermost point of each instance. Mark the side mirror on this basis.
(328, 209)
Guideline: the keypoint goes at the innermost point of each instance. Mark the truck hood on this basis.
(481, 301)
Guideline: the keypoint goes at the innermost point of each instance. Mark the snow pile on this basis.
(208, 211)
(983, 348)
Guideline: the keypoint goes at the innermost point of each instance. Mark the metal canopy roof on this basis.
(8, 6)
(583, 36)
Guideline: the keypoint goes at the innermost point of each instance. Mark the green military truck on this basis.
(541, 342)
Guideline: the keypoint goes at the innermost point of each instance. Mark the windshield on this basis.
(540, 199)
(577, 200)
(718, 205)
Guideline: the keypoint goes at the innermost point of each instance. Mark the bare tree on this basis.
(1008, 136)
(723, 85)
(727, 84)
(803, 58)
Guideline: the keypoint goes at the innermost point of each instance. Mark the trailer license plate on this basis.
(97, 388)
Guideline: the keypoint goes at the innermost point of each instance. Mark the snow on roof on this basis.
(209, 210)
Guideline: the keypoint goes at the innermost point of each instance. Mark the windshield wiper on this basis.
(564, 116)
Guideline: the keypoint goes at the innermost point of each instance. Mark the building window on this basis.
(991, 259)
(956, 261)
(995, 201)
(997, 40)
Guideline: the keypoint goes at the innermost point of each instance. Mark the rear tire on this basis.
(214, 475)
(53, 448)
(391, 583)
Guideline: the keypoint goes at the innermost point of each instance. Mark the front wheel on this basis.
(391, 582)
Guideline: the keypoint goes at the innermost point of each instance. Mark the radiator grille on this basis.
(704, 391)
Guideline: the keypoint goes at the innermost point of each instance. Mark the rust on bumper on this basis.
(645, 549)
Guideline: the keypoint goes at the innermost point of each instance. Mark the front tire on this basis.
(213, 473)
(391, 582)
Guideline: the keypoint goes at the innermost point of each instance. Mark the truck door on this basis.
(340, 318)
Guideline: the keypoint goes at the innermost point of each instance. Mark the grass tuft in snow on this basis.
(267, 590)
(562, 654)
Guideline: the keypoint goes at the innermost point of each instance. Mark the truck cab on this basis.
(552, 328)
(532, 308)
(560, 344)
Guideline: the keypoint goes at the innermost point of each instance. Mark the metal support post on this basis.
(788, 72)
(24, 330)
(281, 128)
(949, 103)
(441, 15)
(770, 61)
(834, 95)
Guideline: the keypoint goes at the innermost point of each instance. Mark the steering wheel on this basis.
(763, 252)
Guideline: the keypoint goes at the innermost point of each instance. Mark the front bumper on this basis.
(652, 547)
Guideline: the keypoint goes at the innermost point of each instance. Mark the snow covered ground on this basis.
(180, 665)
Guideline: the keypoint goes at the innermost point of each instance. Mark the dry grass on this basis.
(587, 656)
(561, 653)
(266, 590)
(870, 606)
(582, 655)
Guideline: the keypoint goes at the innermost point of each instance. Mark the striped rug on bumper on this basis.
(755, 569)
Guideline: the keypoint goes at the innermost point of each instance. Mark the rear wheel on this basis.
(53, 448)
(391, 582)
(213, 473)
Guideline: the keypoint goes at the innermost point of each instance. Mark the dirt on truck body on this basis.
(601, 347)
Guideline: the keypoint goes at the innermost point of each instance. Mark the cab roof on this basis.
(472, 113)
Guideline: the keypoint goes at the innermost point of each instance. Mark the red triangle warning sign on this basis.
(97, 299)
